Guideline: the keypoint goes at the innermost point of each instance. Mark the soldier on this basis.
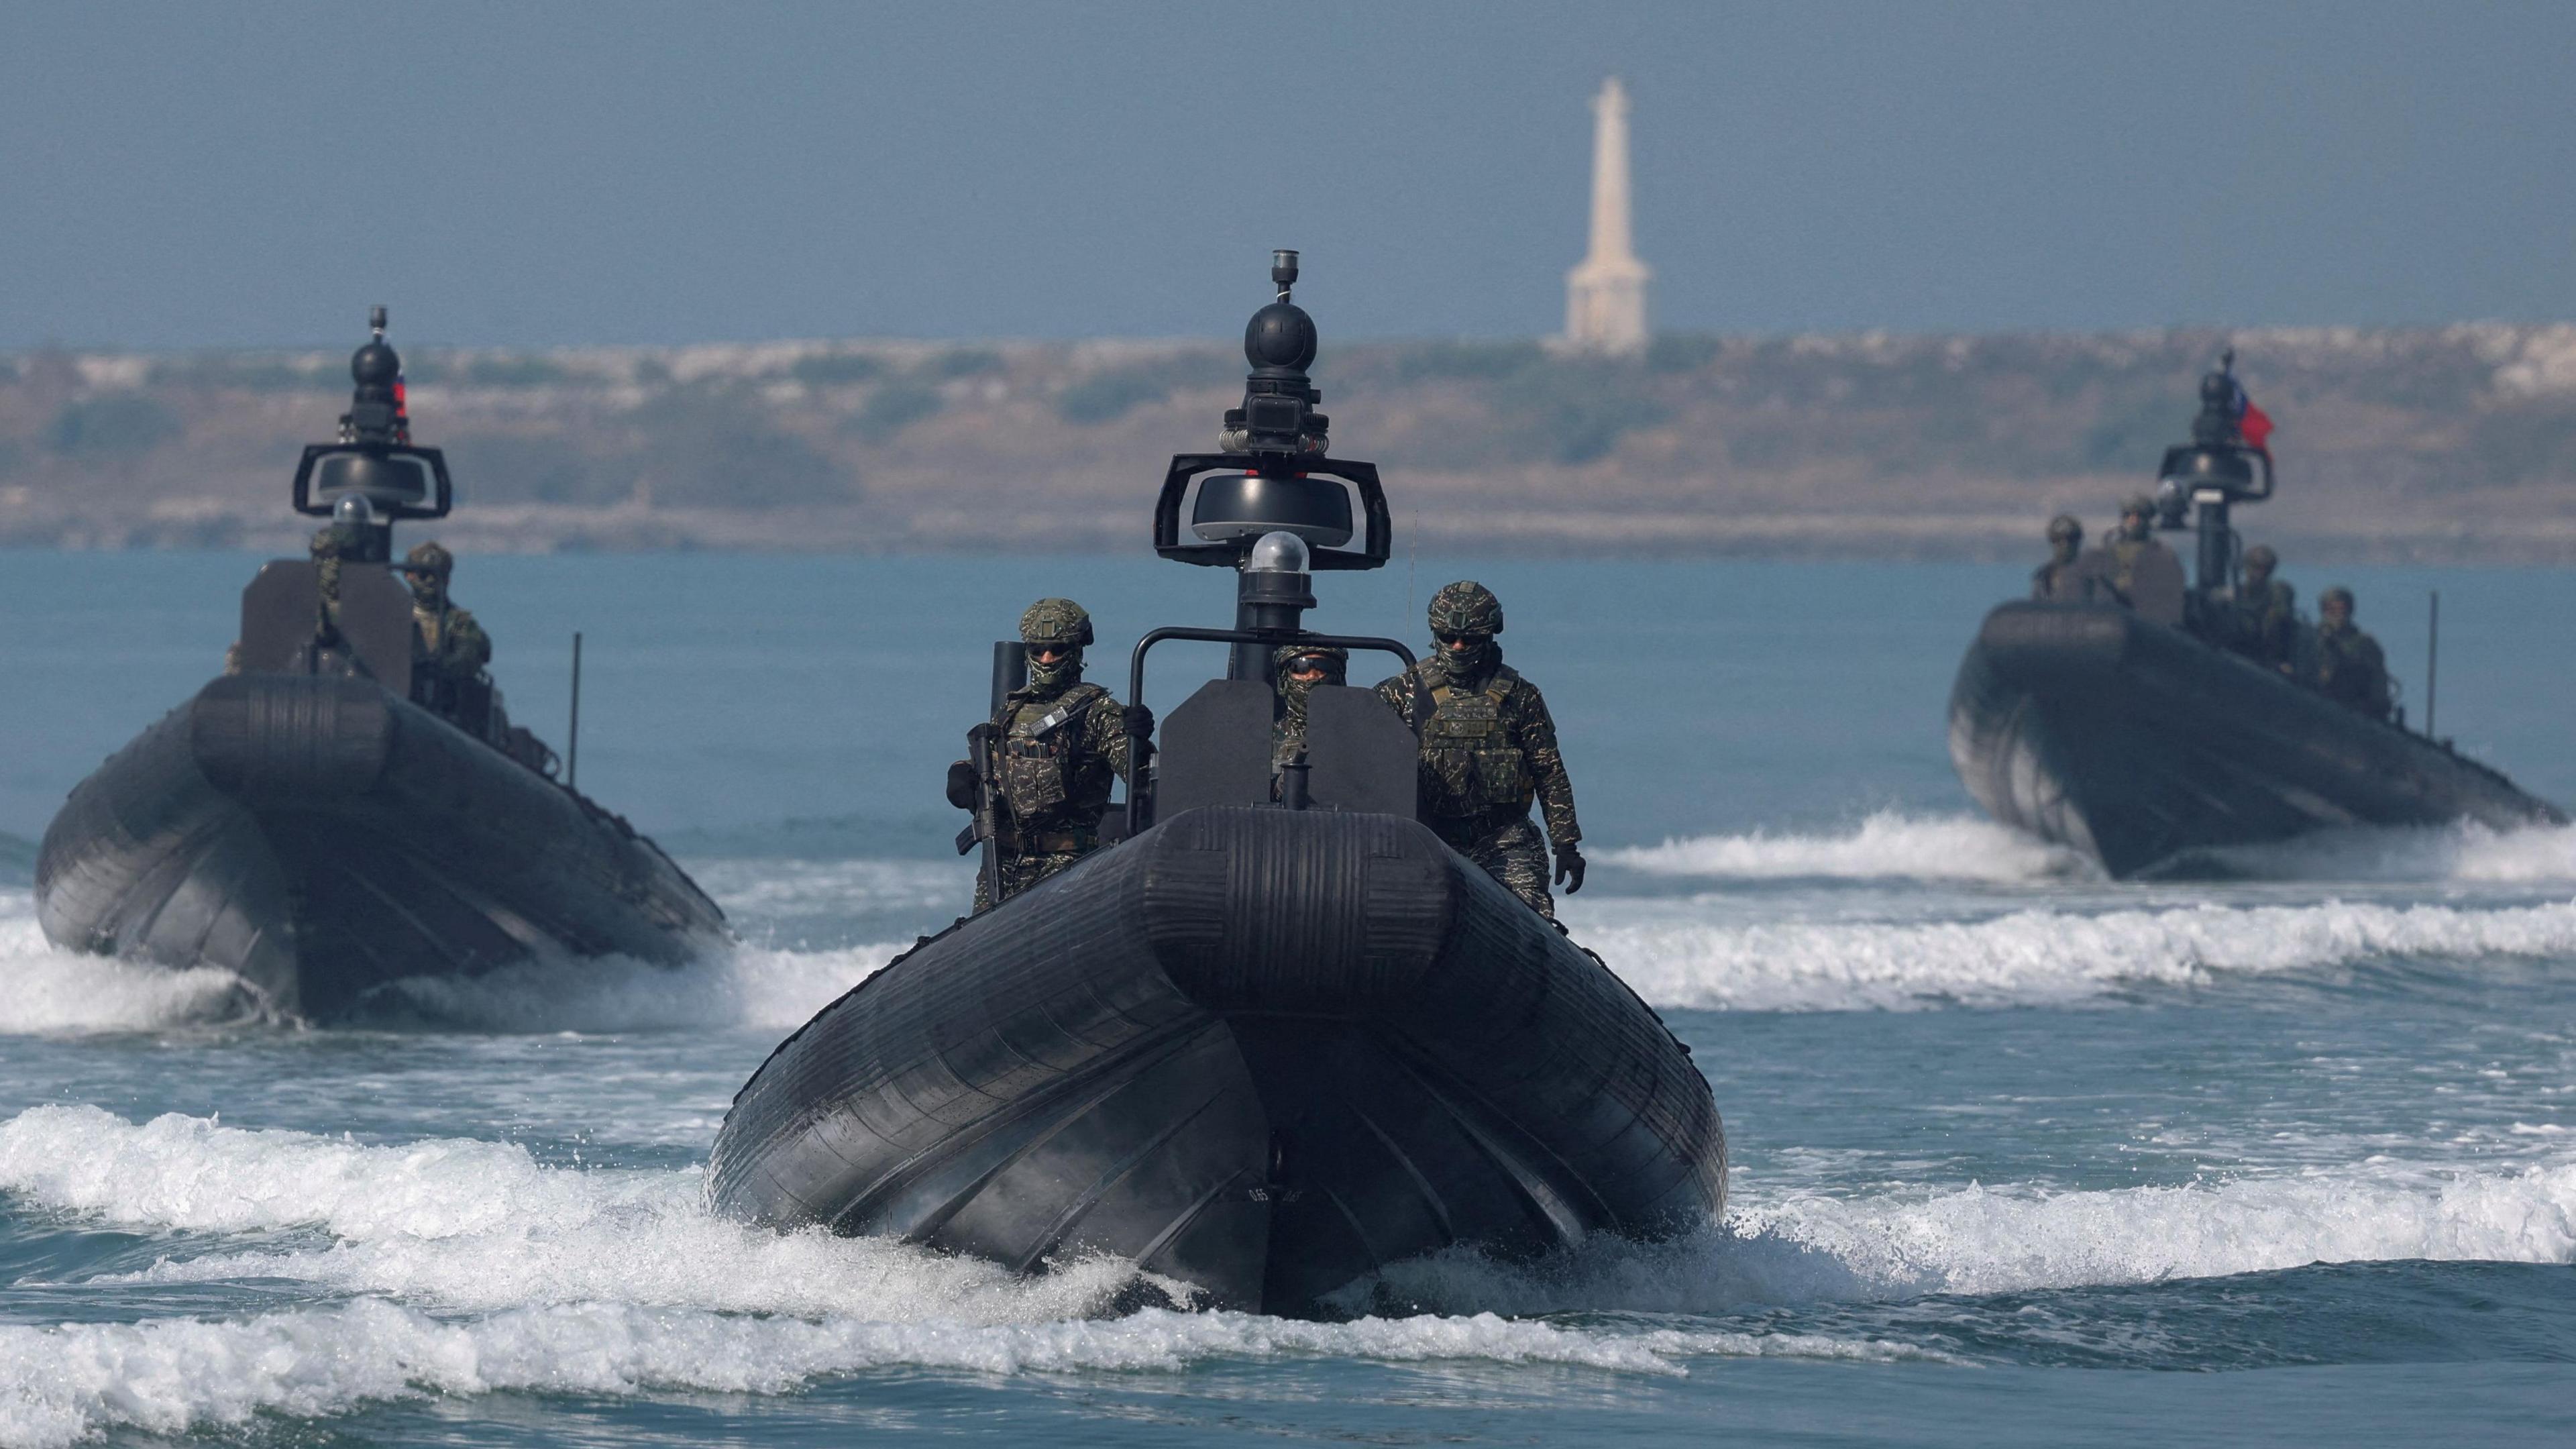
(1488, 749)
(449, 649)
(2351, 669)
(1059, 741)
(2062, 578)
(1300, 669)
(2266, 619)
(2137, 569)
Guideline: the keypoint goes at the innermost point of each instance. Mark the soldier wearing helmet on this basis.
(1299, 668)
(1058, 742)
(2063, 578)
(2350, 667)
(449, 649)
(1488, 751)
(2264, 624)
(2136, 568)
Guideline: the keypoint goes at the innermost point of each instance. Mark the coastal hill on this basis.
(2449, 443)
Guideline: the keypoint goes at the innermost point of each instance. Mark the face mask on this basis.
(1467, 663)
(1294, 692)
(1056, 678)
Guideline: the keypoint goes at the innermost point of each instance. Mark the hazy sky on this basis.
(218, 174)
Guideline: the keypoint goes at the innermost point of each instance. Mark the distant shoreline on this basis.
(2453, 444)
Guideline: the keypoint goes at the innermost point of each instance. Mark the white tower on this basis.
(1605, 296)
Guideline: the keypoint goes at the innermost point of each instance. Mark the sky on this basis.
(540, 174)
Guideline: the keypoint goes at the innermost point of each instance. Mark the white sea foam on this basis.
(1887, 845)
(51, 991)
(763, 888)
(727, 985)
(44, 991)
(2466, 852)
(2039, 956)
(58, 1385)
(473, 1268)
(466, 1267)
(1978, 1240)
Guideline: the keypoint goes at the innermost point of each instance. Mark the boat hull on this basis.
(321, 838)
(1263, 1052)
(2147, 749)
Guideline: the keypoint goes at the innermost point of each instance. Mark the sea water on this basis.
(2020, 1155)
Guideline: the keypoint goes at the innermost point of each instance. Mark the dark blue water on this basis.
(2021, 1156)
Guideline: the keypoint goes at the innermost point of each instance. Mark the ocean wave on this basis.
(2042, 957)
(772, 888)
(461, 1267)
(469, 1225)
(2465, 852)
(56, 992)
(58, 1385)
(1977, 1240)
(52, 992)
(1887, 845)
(468, 1268)
(726, 985)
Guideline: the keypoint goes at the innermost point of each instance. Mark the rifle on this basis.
(983, 751)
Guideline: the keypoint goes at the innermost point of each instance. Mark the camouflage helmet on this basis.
(2139, 504)
(2260, 556)
(2336, 595)
(2064, 526)
(1466, 607)
(1056, 621)
(429, 558)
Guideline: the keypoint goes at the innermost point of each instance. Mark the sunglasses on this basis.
(1455, 639)
(1048, 653)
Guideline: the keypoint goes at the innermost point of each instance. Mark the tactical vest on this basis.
(1470, 765)
(1038, 745)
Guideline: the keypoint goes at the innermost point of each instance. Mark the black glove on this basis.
(965, 787)
(1140, 722)
(1569, 868)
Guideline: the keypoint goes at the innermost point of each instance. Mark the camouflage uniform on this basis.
(2063, 579)
(1288, 732)
(1061, 741)
(1488, 750)
(2134, 539)
(449, 649)
(2350, 668)
(2264, 624)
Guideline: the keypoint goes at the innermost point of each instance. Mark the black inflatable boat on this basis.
(2133, 738)
(2152, 751)
(1263, 1046)
(303, 823)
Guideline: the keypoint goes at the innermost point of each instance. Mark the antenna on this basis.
(572, 735)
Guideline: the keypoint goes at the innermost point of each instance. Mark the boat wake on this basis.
(62, 993)
(1676, 956)
(1886, 846)
(2466, 852)
(461, 1267)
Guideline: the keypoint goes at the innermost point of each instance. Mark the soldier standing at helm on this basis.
(1488, 750)
(2350, 667)
(1300, 667)
(1059, 742)
(2062, 579)
(2266, 623)
(449, 649)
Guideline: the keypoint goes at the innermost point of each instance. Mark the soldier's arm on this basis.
(1535, 730)
(467, 647)
(1104, 732)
